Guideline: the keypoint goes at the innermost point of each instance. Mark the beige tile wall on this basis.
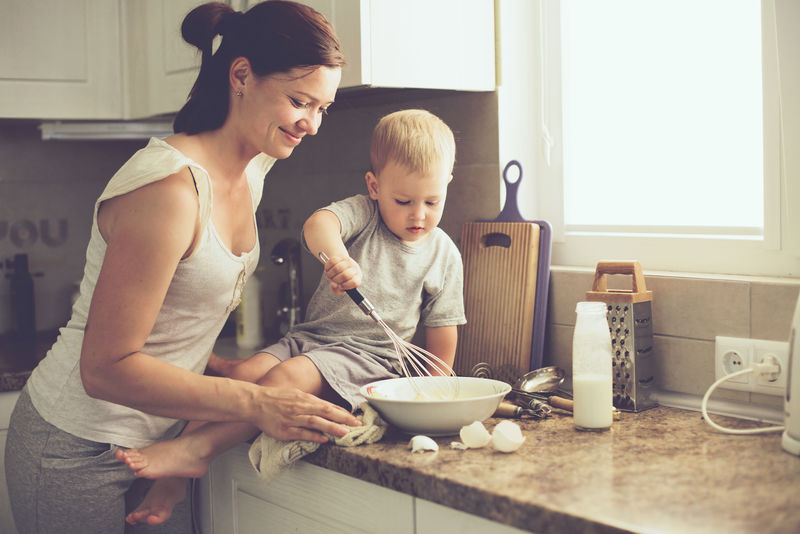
(688, 313)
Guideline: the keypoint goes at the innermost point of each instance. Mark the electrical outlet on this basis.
(736, 354)
(774, 352)
(732, 354)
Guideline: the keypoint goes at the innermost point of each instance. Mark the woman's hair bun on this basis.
(204, 22)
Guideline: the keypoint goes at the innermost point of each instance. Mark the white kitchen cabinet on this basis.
(61, 59)
(304, 498)
(94, 59)
(7, 401)
(126, 59)
(421, 44)
(307, 498)
(432, 518)
(161, 66)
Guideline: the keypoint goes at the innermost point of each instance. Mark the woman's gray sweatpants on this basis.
(58, 482)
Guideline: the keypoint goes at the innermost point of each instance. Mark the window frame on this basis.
(777, 254)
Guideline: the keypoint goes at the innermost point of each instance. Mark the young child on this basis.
(387, 244)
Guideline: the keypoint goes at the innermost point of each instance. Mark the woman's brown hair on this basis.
(275, 36)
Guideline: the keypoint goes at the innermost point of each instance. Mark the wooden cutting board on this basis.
(501, 266)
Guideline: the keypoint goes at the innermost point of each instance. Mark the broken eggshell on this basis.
(507, 436)
(422, 444)
(475, 435)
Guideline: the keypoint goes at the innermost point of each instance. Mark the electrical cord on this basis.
(763, 369)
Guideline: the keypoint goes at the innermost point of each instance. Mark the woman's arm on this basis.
(441, 341)
(147, 232)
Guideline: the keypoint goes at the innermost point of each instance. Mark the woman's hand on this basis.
(290, 414)
(343, 273)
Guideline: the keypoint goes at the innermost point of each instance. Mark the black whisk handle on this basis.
(363, 303)
(356, 296)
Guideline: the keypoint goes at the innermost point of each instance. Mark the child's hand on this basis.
(343, 273)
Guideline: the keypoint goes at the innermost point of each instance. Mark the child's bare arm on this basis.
(322, 233)
(441, 341)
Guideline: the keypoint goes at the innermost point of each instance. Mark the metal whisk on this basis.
(415, 362)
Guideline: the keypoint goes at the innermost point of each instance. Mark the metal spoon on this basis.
(541, 384)
(543, 380)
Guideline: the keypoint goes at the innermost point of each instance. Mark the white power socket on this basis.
(733, 354)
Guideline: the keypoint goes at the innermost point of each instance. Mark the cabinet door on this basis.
(161, 66)
(350, 20)
(304, 498)
(431, 44)
(432, 518)
(421, 44)
(61, 59)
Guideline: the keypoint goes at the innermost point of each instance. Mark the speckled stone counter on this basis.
(663, 470)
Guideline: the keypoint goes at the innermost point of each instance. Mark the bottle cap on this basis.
(591, 307)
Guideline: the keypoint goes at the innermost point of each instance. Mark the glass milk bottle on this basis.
(591, 368)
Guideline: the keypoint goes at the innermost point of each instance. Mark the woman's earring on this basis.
(239, 93)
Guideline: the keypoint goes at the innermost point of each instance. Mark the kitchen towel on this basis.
(270, 456)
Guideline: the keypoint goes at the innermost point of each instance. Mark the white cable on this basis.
(704, 405)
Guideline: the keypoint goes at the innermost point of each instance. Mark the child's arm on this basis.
(441, 341)
(322, 233)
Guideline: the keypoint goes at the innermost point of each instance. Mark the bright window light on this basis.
(662, 116)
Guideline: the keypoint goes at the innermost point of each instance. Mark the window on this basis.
(657, 133)
(661, 115)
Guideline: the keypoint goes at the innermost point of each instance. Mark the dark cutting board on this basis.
(504, 262)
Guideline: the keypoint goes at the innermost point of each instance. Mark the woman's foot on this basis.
(157, 505)
(179, 457)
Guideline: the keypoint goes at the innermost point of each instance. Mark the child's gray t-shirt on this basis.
(407, 285)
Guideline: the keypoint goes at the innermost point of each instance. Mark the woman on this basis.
(173, 241)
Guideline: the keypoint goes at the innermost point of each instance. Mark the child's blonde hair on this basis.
(414, 138)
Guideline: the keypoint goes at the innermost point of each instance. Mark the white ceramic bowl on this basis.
(401, 405)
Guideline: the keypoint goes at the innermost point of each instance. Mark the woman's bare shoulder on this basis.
(169, 203)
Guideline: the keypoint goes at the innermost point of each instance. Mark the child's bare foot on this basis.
(157, 505)
(173, 458)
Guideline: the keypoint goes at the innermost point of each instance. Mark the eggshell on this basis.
(475, 435)
(422, 444)
(507, 436)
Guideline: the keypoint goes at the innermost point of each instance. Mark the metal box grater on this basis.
(630, 321)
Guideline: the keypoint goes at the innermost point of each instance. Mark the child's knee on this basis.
(253, 368)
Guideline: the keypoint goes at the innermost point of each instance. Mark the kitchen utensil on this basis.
(541, 384)
(539, 410)
(630, 322)
(542, 380)
(790, 440)
(415, 361)
(398, 402)
(530, 399)
(506, 277)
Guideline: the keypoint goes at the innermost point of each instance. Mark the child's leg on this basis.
(197, 446)
(174, 457)
(189, 454)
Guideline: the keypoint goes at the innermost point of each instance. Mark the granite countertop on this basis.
(663, 470)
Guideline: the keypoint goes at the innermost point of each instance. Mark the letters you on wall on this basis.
(25, 233)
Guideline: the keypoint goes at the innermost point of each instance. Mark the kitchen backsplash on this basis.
(47, 190)
(688, 313)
